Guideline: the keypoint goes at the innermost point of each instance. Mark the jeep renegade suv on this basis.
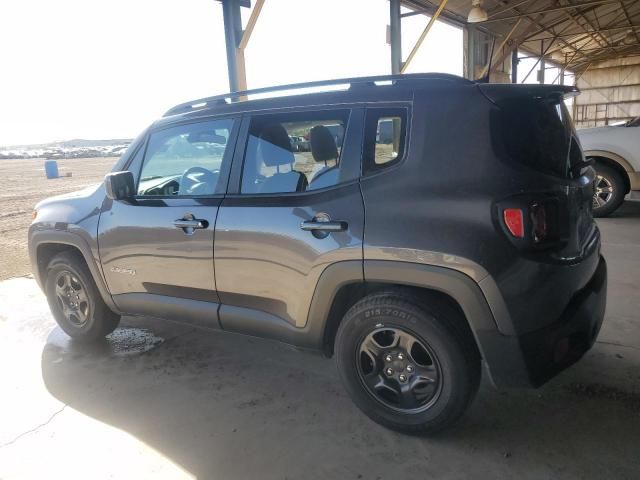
(435, 225)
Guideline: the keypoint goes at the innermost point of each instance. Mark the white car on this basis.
(615, 151)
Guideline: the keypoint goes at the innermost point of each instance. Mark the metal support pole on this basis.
(543, 65)
(514, 65)
(471, 53)
(232, 36)
(504, 41)
(395, 36)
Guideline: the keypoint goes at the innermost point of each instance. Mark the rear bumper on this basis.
(534, 357)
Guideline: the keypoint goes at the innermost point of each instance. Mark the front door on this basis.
(293, 208)
(157, 251)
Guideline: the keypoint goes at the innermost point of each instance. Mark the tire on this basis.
(74, 300)
(610, 190)
(452, 353)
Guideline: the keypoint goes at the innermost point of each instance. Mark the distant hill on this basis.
(76, 148)
(76, 142)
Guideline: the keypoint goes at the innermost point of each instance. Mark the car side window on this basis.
(186, 160)
(293, 152)
(385, 130)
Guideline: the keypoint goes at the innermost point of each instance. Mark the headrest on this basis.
(274, 146)
(323, 145)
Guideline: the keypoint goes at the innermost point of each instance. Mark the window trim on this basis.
(369, 167)
(224, 170)
(352, 141)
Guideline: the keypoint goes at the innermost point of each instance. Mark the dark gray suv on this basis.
(434, 226)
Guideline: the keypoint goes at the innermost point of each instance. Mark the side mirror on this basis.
(120, 185)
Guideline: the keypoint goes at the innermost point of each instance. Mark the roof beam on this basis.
(542, 54)
(592, 32)
(515, 43)
(550, 10)
(251, 23)
(628, 17)
(566, 35)
(584, 37)
(543, 28)
(558, 23)
(627, 49)
(506, 8)
(423, 35)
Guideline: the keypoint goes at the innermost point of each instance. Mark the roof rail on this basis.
(354, 81)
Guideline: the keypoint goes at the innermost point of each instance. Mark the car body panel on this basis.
(620, 144)
(142, 251)
(266, 262)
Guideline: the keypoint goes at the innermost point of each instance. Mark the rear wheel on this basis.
(75, 301)
(406, 365)
(609, 190)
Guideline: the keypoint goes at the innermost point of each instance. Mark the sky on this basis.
(97, 70)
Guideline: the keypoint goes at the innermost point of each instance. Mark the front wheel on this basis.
(75, 301)
(407, 366)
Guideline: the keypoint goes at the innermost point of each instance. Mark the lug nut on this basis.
(402, 377)
(388, 358)
(400, 356)
(389, 371)
(409, 368)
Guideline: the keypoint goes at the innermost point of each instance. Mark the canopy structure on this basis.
(597, 40)
(572, 34)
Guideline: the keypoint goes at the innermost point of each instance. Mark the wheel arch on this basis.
(43, 246)
(619, 164)
(338, 291)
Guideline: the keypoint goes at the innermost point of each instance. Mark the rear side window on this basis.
(385, 130)
(538, 133)
(294, 152)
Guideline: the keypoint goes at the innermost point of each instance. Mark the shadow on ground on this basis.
(226, 406)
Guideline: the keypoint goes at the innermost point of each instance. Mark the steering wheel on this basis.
(198, 177)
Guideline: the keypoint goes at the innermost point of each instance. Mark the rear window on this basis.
(539, 133)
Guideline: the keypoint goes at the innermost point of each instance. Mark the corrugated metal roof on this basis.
(573, 33)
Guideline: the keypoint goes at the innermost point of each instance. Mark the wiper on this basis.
(153, 177)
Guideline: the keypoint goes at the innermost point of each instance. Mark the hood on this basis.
(85, 193)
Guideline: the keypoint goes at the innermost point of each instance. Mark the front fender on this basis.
(39, 237)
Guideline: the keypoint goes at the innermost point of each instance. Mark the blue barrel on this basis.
(51, 169)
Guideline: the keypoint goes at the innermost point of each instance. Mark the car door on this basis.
(157, 250)
(287, 216)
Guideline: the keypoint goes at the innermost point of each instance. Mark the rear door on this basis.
(288, 215)
(157, 251)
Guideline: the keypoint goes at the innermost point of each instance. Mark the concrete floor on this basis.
(161, 400)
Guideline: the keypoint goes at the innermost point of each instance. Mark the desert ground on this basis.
(22, 185)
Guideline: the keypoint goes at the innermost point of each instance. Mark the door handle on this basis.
(189, 223)
(326, 226)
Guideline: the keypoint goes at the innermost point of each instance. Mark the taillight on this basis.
(539, 225)
(514, 220)
(532, 223)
